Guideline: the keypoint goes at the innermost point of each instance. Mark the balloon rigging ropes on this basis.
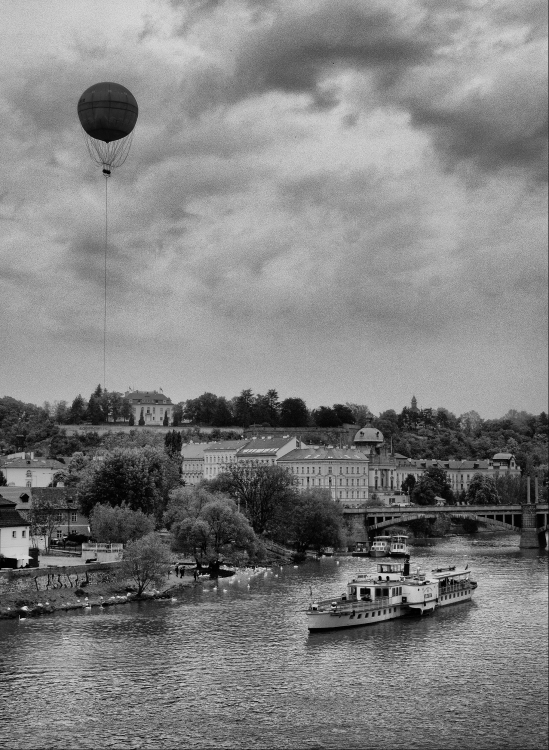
(108, 113)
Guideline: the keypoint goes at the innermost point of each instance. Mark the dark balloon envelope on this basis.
(107, 111)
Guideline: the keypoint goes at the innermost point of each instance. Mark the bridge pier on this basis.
(529, 538)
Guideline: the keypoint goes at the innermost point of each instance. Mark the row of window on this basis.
(318, 470)
(23, 534)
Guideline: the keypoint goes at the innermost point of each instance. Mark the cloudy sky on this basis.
(343, 201)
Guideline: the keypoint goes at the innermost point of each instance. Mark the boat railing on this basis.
(346, 605)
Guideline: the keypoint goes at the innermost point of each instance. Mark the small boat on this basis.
(393, 591)
(362, 549)
(327, 552)
(381, 546)
(399, 546)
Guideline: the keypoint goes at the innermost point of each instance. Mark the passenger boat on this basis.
(381, 546)
(362, 549)
(394, 591)
(399, 546)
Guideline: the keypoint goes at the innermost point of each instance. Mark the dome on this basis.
(369, 435)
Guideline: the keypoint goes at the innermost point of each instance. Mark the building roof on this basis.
(15, 494)
(30, 463)
(226, 445)
(193, 450)
(148, 397)
(502, 456)
(368, 435)
(63, 497)
(9, 516)
(265, 446)
(323, 454)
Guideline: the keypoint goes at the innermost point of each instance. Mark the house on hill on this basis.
(154, 405)
(28, 471)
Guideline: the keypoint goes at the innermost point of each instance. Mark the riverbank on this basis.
(14, 605)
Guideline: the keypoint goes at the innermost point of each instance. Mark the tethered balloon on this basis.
(108, 113)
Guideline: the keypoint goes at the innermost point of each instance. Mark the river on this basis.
(236, 667)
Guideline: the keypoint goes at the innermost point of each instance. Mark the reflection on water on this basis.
(236, 667)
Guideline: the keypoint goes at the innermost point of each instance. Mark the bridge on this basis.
(528, 520)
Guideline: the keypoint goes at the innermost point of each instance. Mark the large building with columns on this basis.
(342, 471)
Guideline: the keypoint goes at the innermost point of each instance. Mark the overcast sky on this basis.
(345, 201)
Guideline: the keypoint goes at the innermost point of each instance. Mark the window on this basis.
(14, 534)
(59, 534)
(29, 484)
(73, 517)
(29, 473)
(23, 533)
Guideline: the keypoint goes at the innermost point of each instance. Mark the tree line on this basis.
(413, 432)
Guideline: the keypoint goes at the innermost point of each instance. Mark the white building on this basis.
(344, 472)
(29, 471)
(192, 467)
(14, 534)
(267, 450)
(154, 405)
(219, 455)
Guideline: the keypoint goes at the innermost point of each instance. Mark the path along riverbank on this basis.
(21, 604)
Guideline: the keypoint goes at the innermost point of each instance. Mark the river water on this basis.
(236, 667)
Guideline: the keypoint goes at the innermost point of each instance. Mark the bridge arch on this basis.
(404, 519)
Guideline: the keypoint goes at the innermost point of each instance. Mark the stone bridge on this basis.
(529, 520)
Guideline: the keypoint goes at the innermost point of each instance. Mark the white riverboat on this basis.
(381, 546)
(393, 591)
(399, 546)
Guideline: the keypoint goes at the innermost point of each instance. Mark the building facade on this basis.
(28, 471)
(155, 406)
(192, 466)
(343, 472)
(219, 455)
(14, 534)
(267, 451)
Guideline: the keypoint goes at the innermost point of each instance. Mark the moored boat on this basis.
(393, 591)
(399, 546)
(362, 549)
(380, 546)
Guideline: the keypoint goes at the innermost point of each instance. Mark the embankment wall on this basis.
(56, 577)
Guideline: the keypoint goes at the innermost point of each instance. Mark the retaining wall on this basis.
(56, 577)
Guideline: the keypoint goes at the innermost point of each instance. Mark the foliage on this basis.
(141, 421)
(119, 524)
(173, 442)
(316, 521)
(482, 491)
(3, 480)
(294, 413)
(44, 517)
(208, 525)
(408, 484)
(511, 489)
(432, 484)
(146, 562)
(261, 491)
(140, 478)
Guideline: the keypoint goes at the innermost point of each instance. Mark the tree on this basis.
(294, 413)
(316, 521)
(146, 562)
(61, 412)
(140, 478)
(119, 524)
(434, 483)
(177, 413)
(408, 484)
(44, 517)
(482, 491)
(361, 413)
(173, 443)
(511, 489)
(344, 414)
(126, 410)
(141, 418)
(243, 405)
(78, 410)
(261, 490)
(96, 406)
(222, 416)
(165, 421)
(115, 405)
(3, 480)
(208, 525)
(325, 417)
(131, 420)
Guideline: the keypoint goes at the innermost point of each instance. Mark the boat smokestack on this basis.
(407, 565)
